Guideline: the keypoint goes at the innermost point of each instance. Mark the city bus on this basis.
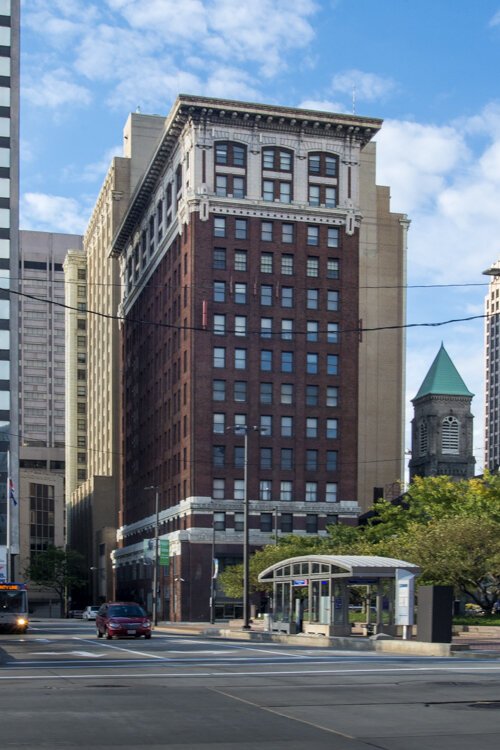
(13, 607)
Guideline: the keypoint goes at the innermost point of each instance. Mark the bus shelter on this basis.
(311, 592)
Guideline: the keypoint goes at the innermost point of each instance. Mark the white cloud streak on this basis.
(53, 213)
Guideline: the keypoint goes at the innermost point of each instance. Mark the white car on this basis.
(89, 613)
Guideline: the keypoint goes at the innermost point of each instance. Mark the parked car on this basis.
(122, 619)
(76, 613)
(90, 612)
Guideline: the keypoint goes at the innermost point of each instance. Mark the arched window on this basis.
(449, 435)
(422, 439)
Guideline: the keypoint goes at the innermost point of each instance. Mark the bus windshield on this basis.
(13, 601)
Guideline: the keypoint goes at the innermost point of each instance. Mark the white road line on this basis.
(165, 675)
(118, 648)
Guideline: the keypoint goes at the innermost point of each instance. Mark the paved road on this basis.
(60, 687)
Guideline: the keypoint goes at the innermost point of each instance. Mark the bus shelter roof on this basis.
(355, 567)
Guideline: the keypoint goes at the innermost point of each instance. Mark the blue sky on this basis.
(430, 69)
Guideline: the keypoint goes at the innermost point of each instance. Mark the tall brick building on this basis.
(241, 253)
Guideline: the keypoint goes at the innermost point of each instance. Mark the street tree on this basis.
(58, 570)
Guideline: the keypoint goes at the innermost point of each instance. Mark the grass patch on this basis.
(484, 620)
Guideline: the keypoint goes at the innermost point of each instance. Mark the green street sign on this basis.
(164, 552)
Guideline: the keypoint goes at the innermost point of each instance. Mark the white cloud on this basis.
(495, 21)
(53, 213)
(177, 19)
(54, 90)
(366, 86)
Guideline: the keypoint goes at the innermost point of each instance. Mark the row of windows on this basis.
(314, 233)
(286, 331)
(220, 360)
(287, 428)
(314, 265)
(314, 492)
(313, 459)
(268, 522)
(276, 159)
(314, 395)
(222, 291)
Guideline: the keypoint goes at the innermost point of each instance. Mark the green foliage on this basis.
(450, 529)
(57, 569)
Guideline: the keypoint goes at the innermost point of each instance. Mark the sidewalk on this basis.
(476, 642)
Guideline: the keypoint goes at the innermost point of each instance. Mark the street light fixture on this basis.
(246, 591)
(157, 557)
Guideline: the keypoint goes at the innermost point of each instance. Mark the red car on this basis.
(122, 619)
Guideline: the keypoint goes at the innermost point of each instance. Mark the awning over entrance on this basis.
(336, 566)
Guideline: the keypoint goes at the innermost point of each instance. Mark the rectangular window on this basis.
(311, 427)
(286, 491)
(266, 262)
(331, 460)
(312, 267)
(286, 459)
(239, 521)
(314, 164)
(286, 426)
(285, 192)
(240, 260)
(240, 325)
(285, 161)
(219, 357)
(266, 231)
(218, 489)
(266, 327)
(240, 359)
(240, 293)
(219, 390)
(219, 521)
(265, 491)
(311, 524)
(287, 265)
(287, 296)
(332, 364)
(312, 363)
(332, 428)
(312, 299)
(312, 395)
(239, 456)
(219, 226)
(266, 360)
(311, 460)
(266, 458)
(332, 333)
(266, 294)
(331, 492)
(266, 522)
(332, 268)
(330, 197)
(286, 393)
(219, 258)
(219, 325)
(241, 229)
(268, 190)
(332, 300)
(332, 395)
(286, 361)
(287, 330)
(287, 233)
(239, 491)
(333, 237)
(221, 153)
(330, 166)
(221, 184)
(268, 158)
(240, 391)
(313, 197)
(238, 155)
(312, 330)
(219, 423)
(219, 456)
(266, 393)
(313, 236)
(311, 492)
(287, 523)
(266, 425)
(238, 187)
(219, 291)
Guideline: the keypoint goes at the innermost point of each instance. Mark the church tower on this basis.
(442, 426)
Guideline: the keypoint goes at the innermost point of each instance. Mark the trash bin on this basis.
(267, 621)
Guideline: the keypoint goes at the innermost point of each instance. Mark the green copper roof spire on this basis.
(443, 378)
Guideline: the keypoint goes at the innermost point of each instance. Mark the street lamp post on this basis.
(157, 557)
(212, 579)
(246, 576)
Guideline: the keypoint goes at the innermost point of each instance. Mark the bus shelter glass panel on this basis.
(324, 603)
(315, 598)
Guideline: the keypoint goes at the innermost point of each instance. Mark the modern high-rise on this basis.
(94, 365)
(41, 394)
(492, 375)
(9, 226)
(249, 252)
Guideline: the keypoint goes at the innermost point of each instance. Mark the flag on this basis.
(12, 494)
